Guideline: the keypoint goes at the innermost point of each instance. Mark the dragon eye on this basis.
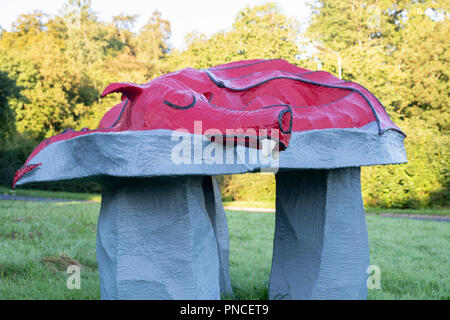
(180, 99)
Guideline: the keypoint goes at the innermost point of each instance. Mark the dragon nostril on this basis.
(285, 121)
(208, 95)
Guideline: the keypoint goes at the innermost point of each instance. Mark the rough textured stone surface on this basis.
(132, 154)
(216, 213)
(321, 248)
(155, 240)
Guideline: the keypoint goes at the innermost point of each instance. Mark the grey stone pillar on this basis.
(216, 213)
(321, 248)
(155, 240)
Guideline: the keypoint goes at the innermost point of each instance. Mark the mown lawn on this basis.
(39, 240)
(51, 194)
(95, 197)
(271, 205)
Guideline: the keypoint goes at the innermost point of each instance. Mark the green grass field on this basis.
(51, 194)
(271, 205)
(252, 204)
(98, 197)
(39, 240)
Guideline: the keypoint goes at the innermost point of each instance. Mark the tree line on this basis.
(53, 69)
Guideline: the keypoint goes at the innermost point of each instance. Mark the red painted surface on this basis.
(27, 168)
(255, 94)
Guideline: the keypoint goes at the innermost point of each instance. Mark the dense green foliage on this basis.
(249, 187)
(261, 32)
(7, 120)
(53, 69)
(423, 182)
(399, 50)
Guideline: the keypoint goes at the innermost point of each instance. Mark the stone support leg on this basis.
(216, 213)
(155, 240)
(321, 248)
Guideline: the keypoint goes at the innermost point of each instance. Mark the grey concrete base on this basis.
(216, 213)
(149, 154)
(155, 240)
(321, 248)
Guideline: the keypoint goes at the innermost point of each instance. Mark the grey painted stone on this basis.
(148, 154)
(162, 232)
(218, 218)
(155, 240)
(321, 248)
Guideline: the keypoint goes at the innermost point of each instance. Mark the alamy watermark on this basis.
(374, 279)
(374, 20)
(74, 280)
(231, 146)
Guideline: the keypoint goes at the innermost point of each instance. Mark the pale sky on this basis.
(206, 16)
